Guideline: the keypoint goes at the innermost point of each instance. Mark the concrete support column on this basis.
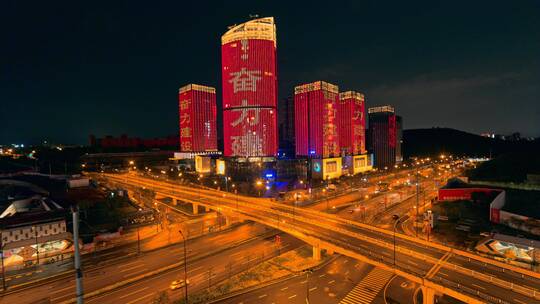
(316, 253)
(330, 251)
(195, 208)
(174, 202)
(227, 220)
(207, 209)
(428, 295)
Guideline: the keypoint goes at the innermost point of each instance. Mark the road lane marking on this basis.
(63, 289)
(519, 301)
(368, 288)
(262, 296)
(131, 268)
(284, 288)
(478, 286)
(312, 289)
(134, 273)
(331, 282)
(194, 269)
(133, 292)
(303, 282)
(140, 298)
(322, 275)
(292, 297)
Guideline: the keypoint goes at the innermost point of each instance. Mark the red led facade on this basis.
(351, 123)
(197, 109)
(249, 77)
(316, 130)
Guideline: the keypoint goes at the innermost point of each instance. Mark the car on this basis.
(178, 284)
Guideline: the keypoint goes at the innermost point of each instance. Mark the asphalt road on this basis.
(338, 232)
(329, 285)
(201, 274)
(99, 277)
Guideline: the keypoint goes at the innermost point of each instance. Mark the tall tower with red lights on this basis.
(316, 127)
(351, 123)
(197, 109)
(249, 75)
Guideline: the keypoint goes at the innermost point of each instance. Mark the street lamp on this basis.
(307, 271)
(185, 267)
(259, 184)
(395, 217)
(296, 199)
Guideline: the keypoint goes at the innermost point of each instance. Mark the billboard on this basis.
(249, 79)
(203, 164)
(197, 118)
(220, 167)
(326, 168)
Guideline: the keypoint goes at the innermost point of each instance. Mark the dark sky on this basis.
(73, 68)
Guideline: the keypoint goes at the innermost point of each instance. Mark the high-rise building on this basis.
(385, 136)
(351, 123)
(315, 106)
(249, 76)
(197, 108)
(286, 125)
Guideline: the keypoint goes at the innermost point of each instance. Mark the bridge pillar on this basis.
(207, 209)
(195, 208)
(330, 251)
(316, 253)
(428, 295)
(174, 202)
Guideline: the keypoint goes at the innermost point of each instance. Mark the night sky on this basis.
(73, 68)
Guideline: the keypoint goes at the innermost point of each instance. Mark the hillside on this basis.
(434, 141)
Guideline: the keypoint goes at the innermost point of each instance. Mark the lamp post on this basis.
(236, 193)
(307, 271)
(185, 267)
(259, 185)
(326, 197)
(395, 217)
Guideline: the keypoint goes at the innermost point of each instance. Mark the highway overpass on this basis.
(467, 277)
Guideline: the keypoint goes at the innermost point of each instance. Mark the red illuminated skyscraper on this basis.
(351, 123)
(316, 132)
(197, 108)
(248, 53)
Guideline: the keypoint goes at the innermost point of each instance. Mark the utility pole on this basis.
(3, 270)
(78, 271)
(185, 266)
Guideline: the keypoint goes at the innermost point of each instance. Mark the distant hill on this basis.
(434, 141)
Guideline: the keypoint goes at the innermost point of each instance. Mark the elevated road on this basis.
(437, 268)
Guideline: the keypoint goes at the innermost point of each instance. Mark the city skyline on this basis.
(462, 75)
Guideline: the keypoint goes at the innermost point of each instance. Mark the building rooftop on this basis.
(381, 109)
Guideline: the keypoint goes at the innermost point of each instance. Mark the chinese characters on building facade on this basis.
(250, 89)
(352, 123)
(197, 118)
